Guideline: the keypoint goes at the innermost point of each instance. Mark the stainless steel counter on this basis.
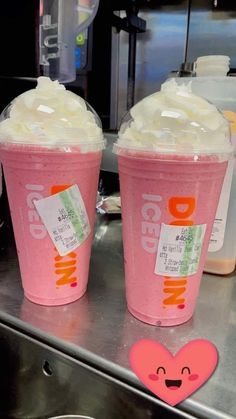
(99, 330)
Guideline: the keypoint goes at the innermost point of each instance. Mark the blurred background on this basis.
(125, 53)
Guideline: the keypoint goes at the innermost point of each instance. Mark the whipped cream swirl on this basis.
(50, 115)
(175, 120)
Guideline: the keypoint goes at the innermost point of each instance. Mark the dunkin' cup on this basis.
(173, 151)
(50, 146)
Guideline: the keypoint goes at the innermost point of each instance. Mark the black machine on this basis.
(19, 46)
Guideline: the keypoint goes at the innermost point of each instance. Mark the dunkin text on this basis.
(181, 210)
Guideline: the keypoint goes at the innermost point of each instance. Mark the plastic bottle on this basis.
(212, 65)
(221, 257)
(60, 23)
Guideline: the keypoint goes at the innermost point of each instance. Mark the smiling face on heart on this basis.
(173, 378)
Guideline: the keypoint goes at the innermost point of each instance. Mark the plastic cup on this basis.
(36, 173)
(170, 185)
(148, 187)
(50, 140)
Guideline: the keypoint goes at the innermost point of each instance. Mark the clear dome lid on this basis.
(175, 121)
(51, 116)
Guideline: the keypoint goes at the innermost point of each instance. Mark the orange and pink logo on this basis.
(182, 210)
(65, 266)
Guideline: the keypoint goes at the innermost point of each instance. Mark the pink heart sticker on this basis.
(173, 378)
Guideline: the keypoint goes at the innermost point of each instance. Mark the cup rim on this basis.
(71, 417)
(155, 154)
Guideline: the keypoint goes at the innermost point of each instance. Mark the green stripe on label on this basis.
(199, 240)
(188, 266)
(72, 213)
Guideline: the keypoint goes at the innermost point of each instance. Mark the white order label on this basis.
(218, 230)
(65, 218)
(179, 250)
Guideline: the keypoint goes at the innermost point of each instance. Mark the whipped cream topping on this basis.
(50, 115)
(175, 120)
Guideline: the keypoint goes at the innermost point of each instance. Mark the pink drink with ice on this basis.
(173, 152)
(174, 193)
(51, 140)
(47, 277)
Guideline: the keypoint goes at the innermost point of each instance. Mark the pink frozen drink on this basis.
(172, 159)
(37, 165)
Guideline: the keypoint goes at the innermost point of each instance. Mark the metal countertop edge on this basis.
(187, 407)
